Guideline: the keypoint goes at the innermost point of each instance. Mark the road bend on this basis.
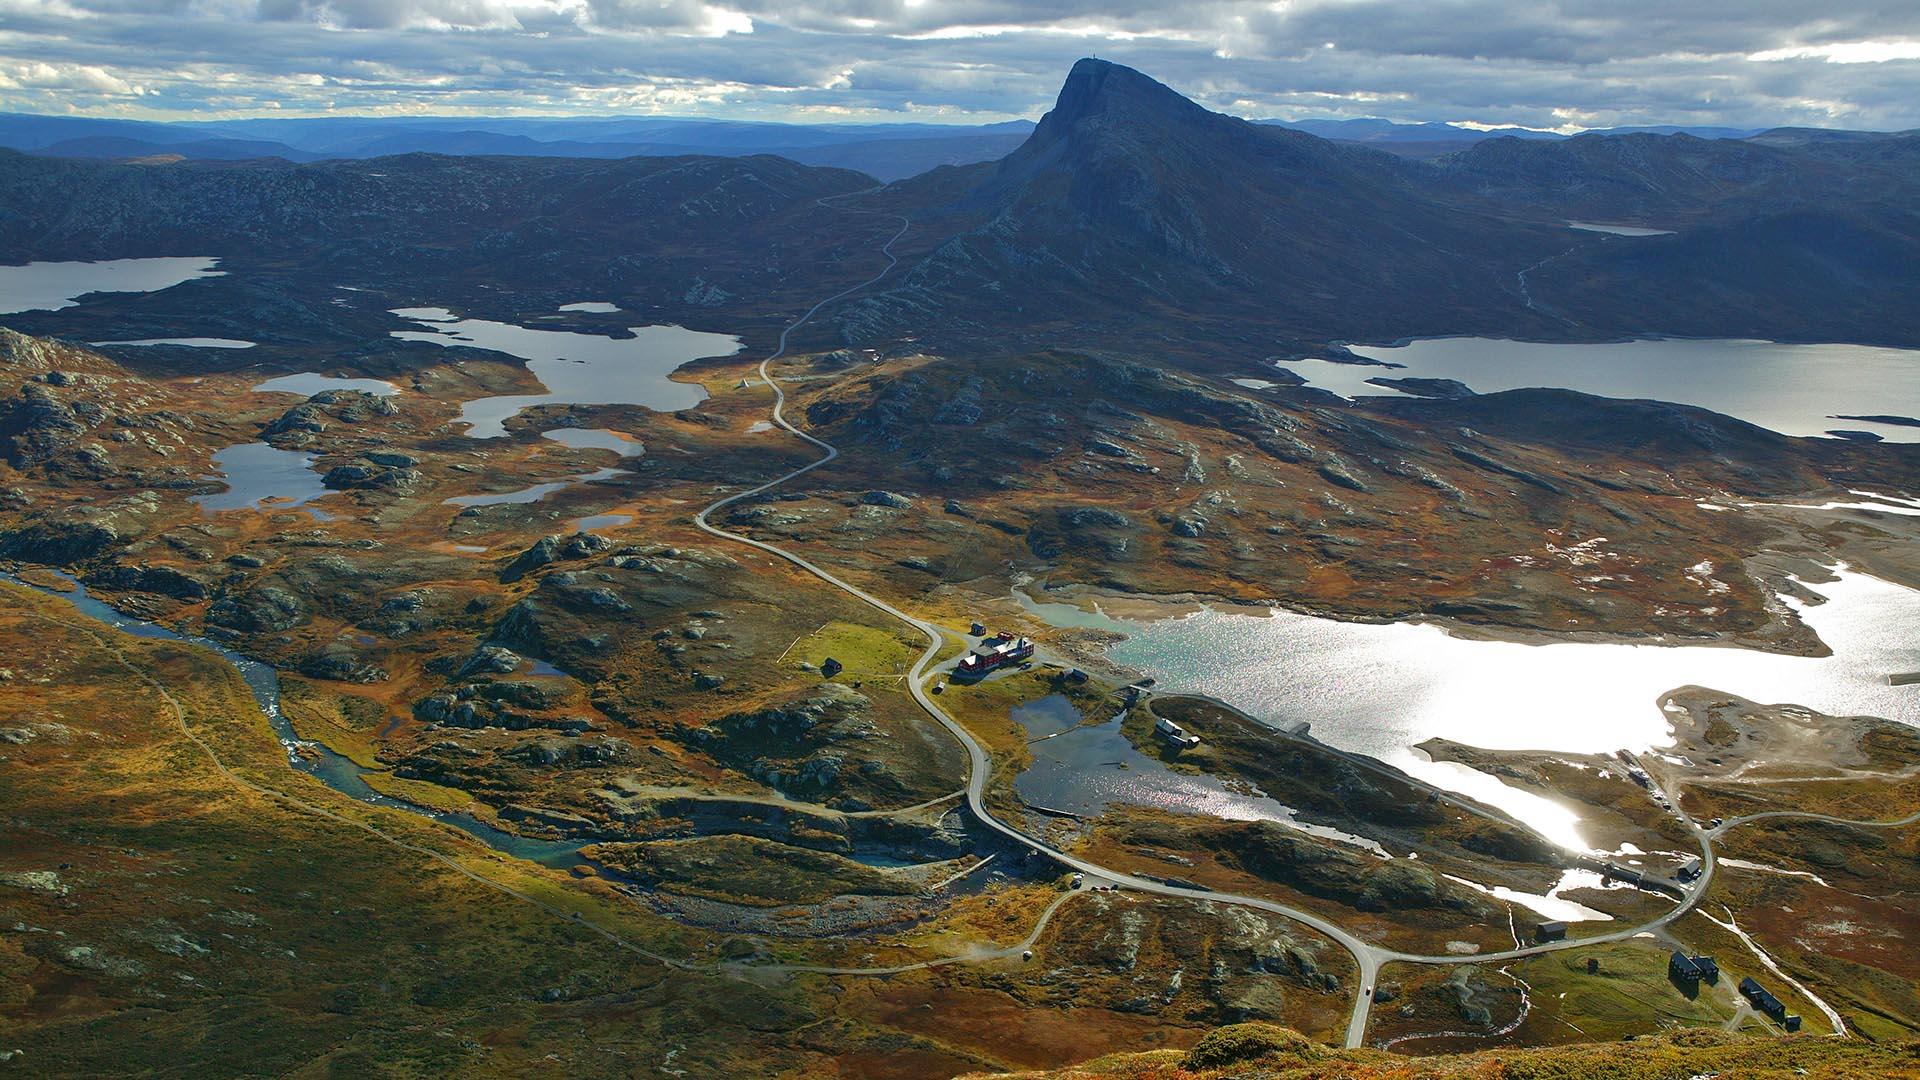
(1368, 958)
(980, 769)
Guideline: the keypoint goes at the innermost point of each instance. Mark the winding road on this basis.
(1368, 958)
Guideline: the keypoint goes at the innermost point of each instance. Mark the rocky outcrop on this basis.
(371, 475)
(160, 580)
(796, 748)
(583, 593)
(490, 659)
(1427, 388)
(265, 609)
(552, 549)
(59, 542)
(36, 427)
(337, 663)
(468, 708)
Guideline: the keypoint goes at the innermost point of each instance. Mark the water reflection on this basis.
(1379, 689)
(1617, 230)
(596, 439)
(190, 342)
(309, 383)
(1083, 769)
(534, 493)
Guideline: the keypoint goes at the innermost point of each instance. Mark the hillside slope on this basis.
(1131, 209)
(1249, 1051)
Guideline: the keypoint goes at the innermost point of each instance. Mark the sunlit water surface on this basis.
(1379, 689)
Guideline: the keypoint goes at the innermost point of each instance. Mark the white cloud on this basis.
(1849, 52)
(1547, 63)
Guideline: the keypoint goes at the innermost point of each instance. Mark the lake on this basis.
(1085, 768)
(531, 494)
(576, 369)
(50, 286)
(1617, 230)
(189, 342)
(309, 383)
(596, 439)
(261, 477)
(1792, 389)
(1378, 689)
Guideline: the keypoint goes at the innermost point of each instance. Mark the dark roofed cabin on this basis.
(1550, 931)
(1762, 999)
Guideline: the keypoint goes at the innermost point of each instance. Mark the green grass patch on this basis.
(422, 793)
(865, 652)
(1629, 995)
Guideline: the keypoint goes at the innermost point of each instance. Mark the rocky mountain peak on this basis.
(1112, 93)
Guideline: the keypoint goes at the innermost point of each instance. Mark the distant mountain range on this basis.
(1129, 218)
(885, 151)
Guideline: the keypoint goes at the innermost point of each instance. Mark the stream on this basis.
(337, 772)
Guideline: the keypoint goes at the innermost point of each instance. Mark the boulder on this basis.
(490, 659)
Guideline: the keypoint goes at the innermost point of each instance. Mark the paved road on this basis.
(1365, 956)
(1911, 819)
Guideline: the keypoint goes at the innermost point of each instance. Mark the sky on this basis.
(1561, 64)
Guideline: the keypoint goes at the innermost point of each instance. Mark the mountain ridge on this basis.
(1130, 204)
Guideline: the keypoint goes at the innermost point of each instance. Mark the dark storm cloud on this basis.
(1551, 63)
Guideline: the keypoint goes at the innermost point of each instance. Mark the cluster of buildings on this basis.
(992, 654)
(1693, 970)
(1175, 735)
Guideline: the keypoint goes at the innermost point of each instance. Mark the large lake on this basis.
(1379, 689)
(1793, 389)
(50, 286)
(576, 369)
